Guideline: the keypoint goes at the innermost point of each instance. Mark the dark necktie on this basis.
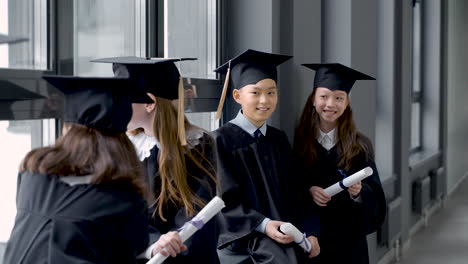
(258, 134)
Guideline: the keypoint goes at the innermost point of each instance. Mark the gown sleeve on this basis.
(374, 205)
(308, 211)
(307, 218)
(236, 220)
(373, 201)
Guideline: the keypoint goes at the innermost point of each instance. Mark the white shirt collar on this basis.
(327, 144)
(242, 122)
(144, 143)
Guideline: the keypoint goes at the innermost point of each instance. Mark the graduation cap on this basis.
(101, 103)
(158, 76)
(247, 68)
(5, 39)
(335, 76)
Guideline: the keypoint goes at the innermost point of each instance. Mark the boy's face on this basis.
(258, 100)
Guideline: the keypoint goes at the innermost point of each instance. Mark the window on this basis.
(191, 30)
(25, 21)
(201, 102)
(204, 120)
(18, 137)
(106, 28)
(416, 96)
(111, 28)
(22, 63)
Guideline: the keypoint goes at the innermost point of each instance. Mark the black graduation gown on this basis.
(258, 180)
(57, 223)
(202, 245)
(344, 222)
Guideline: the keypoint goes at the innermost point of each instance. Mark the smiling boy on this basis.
(255, 170)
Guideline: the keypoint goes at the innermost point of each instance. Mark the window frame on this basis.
(417, 93)
(13, 74)
(156, 47)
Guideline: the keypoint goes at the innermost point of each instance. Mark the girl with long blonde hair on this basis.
(179, 159)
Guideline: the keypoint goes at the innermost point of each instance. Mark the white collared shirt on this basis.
(144, 143)
(327, 140)
(242, 122)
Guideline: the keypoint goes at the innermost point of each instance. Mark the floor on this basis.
(445, 239)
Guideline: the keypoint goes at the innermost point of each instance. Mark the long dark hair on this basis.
(172, 162)
(350, 143)
(81, 151)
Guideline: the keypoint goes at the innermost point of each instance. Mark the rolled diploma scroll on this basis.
(192, 226)
(348, 181)
(299, 238)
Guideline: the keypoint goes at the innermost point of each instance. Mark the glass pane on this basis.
(17, 138)
(416, 126)
(205, 120)
(107, 28)
(23, 31)
(190, 31)
(29, 98)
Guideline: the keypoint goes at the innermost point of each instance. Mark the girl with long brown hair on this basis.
(329, 148)
(178, 157)
(82, 199)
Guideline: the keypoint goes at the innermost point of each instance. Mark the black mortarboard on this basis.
(335, 76)
(101, 103)
(158, 76)
(5, 39)
(247, 68)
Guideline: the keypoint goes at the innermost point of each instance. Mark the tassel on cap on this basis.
(223, 94)
(181, 114)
